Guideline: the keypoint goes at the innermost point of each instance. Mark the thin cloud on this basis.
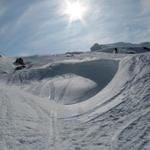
(145, 6)
(37, 26)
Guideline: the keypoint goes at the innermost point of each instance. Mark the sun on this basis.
(75, 10)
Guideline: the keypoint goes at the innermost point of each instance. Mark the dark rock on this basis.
(19, 61)
(116, 50)
(146, 48)
(20, 67)
(131, 52)
(19, 64)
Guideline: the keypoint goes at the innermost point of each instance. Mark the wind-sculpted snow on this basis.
(108, 97)
(68, 82)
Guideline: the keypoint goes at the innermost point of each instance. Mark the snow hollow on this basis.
(83, 101)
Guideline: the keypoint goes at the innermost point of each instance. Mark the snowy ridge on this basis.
(122, 47)
(91, 101)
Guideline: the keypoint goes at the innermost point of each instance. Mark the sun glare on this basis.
(75, 10)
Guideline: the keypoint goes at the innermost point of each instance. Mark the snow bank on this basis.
(87, 79)
(116, 116)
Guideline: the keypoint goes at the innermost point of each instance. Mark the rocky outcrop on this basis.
(19, 63)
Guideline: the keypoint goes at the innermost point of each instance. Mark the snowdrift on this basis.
(115, 115)
(68, 83)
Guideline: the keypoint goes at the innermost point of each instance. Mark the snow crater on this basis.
(70, 83)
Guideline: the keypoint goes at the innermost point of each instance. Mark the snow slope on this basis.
(122, 47)
(89, 101)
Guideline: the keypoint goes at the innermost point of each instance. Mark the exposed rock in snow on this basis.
(19, 63)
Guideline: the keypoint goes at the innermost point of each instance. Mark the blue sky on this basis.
(30, 27)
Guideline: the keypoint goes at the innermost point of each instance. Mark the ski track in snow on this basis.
(117, 118)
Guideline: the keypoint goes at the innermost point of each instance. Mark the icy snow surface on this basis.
(89, 101)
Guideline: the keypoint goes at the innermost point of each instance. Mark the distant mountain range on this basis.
(122, 47)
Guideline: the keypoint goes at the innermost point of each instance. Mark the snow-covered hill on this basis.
(127, 48)
(88, 101)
